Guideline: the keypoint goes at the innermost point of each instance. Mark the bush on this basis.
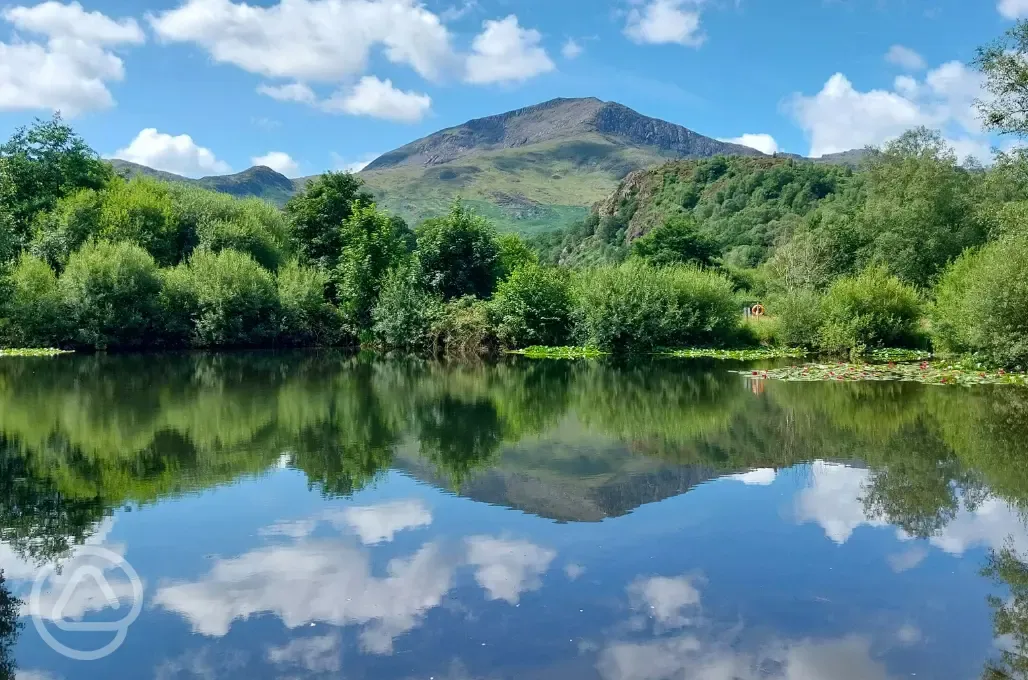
(236, 298)
(406, 309)
(372, 245)
(74, 220)
(513, 254)
(795, 317)
(35, 315)
(110, 291)
(306, 318)
(635, 307)
(177, 306)
(459, 254)
(464, 328)
(534, 307)
(676, 241)
(873, 309)
(980, 301)
(140, 211)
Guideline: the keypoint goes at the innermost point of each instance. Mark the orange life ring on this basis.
(757, 310)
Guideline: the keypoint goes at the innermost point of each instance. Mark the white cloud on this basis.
(375, 524)
(571, 49)
(905, 58)
(177, 154)
(346, 165)
(320, 654)
(506, 569)
(908, 559)
(71, 71)
(833, 500)
(1013, 9)
(505, 53)
(761, 142)
(379, 99)
(759, 476)
(455, 13)
(315, 581)
(666, 599)
(574, 571)
(291, 92)
(319, 40)
(840, 117)
(279, 161)
(666, 21)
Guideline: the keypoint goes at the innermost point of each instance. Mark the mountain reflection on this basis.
(943, 470)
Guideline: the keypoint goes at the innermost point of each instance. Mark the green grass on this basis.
(38, 352)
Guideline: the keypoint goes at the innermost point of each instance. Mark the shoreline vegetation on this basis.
(914, 253)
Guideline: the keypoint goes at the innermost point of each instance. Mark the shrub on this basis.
(459, 254)
(110, 291)
(676, 241)
(635, 307)
(74, 220)
(979, 303)
(237, 300)
(795, 317)
(873, 309)
(534, 307)
(140, 211)
(242, 234)
(406, 309)
(372, 245)
(177, 306)
(512, 254)
(464, 329)
(34, 311)
(306, 318)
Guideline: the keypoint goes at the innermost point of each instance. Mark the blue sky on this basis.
(208, 86)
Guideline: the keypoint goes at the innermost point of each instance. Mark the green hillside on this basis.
(258, 181)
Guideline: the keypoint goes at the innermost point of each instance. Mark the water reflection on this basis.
(318, 515)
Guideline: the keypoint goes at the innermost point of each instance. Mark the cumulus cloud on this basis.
(315, 581)
(177, 154)
(504, 52)
(761, 142)
(506, 569)
(279, 161)
(571, 49)
(70, 72)
(290, 92)
(833, 500)
(840, 117)
(379, 99)
(759, 476)
(301, 39)
(666, 599)
(905, 58)
(666, 21)
(1013, 9)
(375, 524)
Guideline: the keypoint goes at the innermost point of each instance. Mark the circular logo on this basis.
(85, 584)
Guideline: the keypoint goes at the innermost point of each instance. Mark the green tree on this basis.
(236, 299)
(74, 220)
(459, 254)
(873, 309)
(534, 307)
(140, 211)
(514, 253)
(406, 309)
(318, 213)
(43, 163)
(110, 291)
(676, 241)
(371, 247)
(34, 310)
(1005, 68)
(306, 318)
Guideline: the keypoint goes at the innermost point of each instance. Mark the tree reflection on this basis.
(1007, 568)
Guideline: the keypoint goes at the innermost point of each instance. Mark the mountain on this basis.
(530, 170)
(259, 181)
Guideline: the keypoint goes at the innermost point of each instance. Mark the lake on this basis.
(321, 515)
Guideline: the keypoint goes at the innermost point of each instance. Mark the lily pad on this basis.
(39, 352)
(929, 373)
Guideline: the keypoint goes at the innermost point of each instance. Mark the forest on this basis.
(911, 249)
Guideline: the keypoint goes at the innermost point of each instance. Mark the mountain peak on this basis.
(555, 120)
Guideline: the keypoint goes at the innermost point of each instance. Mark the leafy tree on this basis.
(43, 163)
(372, 245)
(873, 309)
(74, 220)
(534, 307)
(1005, 66)
(459, 254)
(406, 310)
(236, 299)
(514, 253)
(34, 310)
(306, 318)
(140, 211)
(110, 291)
(318, 213)
(676, 241)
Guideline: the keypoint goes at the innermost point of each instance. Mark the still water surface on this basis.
(325, 516)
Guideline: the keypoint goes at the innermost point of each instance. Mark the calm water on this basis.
(323, 516)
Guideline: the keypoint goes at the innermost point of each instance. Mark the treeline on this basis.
(91, 260)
